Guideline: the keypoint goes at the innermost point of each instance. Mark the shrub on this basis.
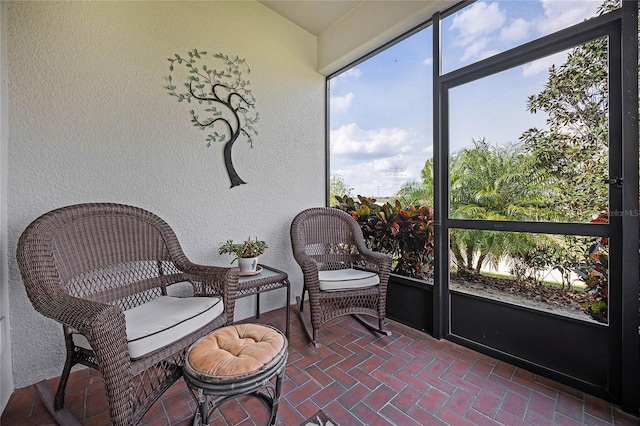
(597, 282)
(404, 233)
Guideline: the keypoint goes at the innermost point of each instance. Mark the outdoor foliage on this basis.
(490, 182)
(575, 146)
(555, 174)
(418, 193)
(338, 188)
(597, 281)
(404, 233)
(570, 258)
(221, 100)
(494, 182)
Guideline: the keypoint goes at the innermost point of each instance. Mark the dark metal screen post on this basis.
(630, 357)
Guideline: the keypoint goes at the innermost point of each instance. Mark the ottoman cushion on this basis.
(235, 350)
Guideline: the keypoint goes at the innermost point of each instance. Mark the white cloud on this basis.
(478, 50)
(347, 75)
(561, 14)
(364, 179)
(478, 20)
(380, 177)
(543, 65)
(483, 29)
(478, 27)
(516, 31)
(341, 103)
(352, 72)
(350, 140)
(377, 162)
(428, 61)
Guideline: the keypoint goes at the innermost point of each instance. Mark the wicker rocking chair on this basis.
(342, 276)
(102, 271)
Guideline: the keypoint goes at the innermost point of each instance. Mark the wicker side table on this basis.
(233, 361)
(267, 280)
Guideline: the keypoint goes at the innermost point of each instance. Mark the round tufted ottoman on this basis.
(236, 360)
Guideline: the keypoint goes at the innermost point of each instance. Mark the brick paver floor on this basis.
(358, 378)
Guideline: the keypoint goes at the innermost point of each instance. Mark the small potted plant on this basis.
(246, 253)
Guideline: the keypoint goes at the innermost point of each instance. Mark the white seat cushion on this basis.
(347, 279)
(162, 321)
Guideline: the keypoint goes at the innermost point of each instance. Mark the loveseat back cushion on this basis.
(347, 279)
(162, 321)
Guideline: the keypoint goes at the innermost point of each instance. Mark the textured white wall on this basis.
(6, 378)
(90, 120)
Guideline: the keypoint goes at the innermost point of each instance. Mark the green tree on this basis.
(575, 147)
(338, 187)
(418, 193)
(490, 182)
(493, 182)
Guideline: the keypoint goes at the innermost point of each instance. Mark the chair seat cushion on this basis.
(162, 321)
(347, 279)
(235, 350)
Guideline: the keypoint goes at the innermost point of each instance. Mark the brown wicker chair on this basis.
(100, 270)
(342, 276)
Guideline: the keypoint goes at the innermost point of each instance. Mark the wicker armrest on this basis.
(374, 255)
(97, 321)
(310, 269)
(80, 314)
(105, 329)
(376, 261)
(302, 258)
(215, 281)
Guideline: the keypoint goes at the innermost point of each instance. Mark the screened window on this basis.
(381, 121)
(486, 28)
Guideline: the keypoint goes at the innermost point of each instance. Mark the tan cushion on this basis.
(236, 349)
(347, 279)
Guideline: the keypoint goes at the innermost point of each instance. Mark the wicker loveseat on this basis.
(103, 271)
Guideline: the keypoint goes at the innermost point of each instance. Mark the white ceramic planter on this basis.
(248, 264)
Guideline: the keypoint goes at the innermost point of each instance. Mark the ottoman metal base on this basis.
(210, 392)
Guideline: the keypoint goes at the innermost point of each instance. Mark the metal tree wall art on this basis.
(220, 99)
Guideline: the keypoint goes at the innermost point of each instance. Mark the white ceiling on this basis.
(314, 16)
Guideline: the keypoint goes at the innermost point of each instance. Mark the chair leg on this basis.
(58, 401)
(306, 324)
(276, 399)
(382, 329)
(379, 329)
(63, 416)
(301, 303)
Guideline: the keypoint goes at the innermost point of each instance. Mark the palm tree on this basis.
(418, 193)
(490, 182)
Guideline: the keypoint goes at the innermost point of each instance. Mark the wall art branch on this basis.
(220, 100)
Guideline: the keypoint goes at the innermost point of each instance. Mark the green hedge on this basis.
(406, 233)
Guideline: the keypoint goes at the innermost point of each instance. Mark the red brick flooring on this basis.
(357, 378)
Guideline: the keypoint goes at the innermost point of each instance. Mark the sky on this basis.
(381, 109)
